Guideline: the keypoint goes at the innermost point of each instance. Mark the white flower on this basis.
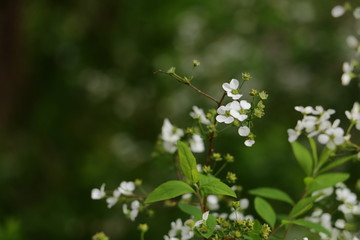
(237, 109)
(337, 11)
(347, 75)
(132, 214)
(346, 196)
(304, 110)
(356, 13)
(213, 202)
(198, 113)
(249, 142)
(232, 89)
(126, 188)
(196, 144)
(111, 201)
(179, 231)
(98, 193)
(170, 135)
(354, 115)
(244, 203)
(224, 114)
(244, 131)
(340, 223)
(332, 136)
(186, 196)
(204, 219)
(352, 41)
(236, 215)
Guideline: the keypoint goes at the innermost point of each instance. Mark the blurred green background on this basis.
(80, 104)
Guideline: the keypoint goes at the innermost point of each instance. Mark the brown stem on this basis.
(186, 82)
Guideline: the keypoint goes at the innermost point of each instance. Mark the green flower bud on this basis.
(236, 123)
(237, 234)
(100, 236)
(263, 95)
(150, 212)
(138, 182)
(246, 76)
(207, 169)
(171, 70)
(254, 92)
(258, 112)
(235, 204)
(196, 63)
(143, 227)
(265, 231)
(261, 105)
(229, 158)
(231, 177)
(190, 223)
(217, 156)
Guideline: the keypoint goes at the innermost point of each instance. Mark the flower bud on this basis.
(231, 177)
(263, 95)
(100, 236)
(246, 76)
(196, 63)
(171, 70)
(229, 158)
(207, 169)
(217, 156)
(143, 227)
(138, 182)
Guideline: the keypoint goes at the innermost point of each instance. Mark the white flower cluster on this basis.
(125, 188)
(354, 115)
(349, 206)
(347, 73)
(179, 231)
(170, 135)
(316, 122)
(235, 110)
(340, 10)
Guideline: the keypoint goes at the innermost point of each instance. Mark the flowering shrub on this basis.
(327, 209)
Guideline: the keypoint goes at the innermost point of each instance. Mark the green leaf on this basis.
(272, 193)
(337, 163)
(303, 157)
(325, 155)
(264, 209)
(191, 210)
(169, 190)
(311, 225)
(211, 224)
(187, 163)
(313, 150)
(213, 185)
(327, 180)
(303, 206)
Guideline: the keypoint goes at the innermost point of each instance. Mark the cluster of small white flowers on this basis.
(354, 115)
(236, 214)
(347, 73)
(199, 114)
(179, 231)
(340, 10)
(235, 110)
(170, 135)
(316, 122)
(132, 214)
(125, 188)
(349, 206)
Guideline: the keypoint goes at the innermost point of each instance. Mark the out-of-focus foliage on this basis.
(90, 108)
